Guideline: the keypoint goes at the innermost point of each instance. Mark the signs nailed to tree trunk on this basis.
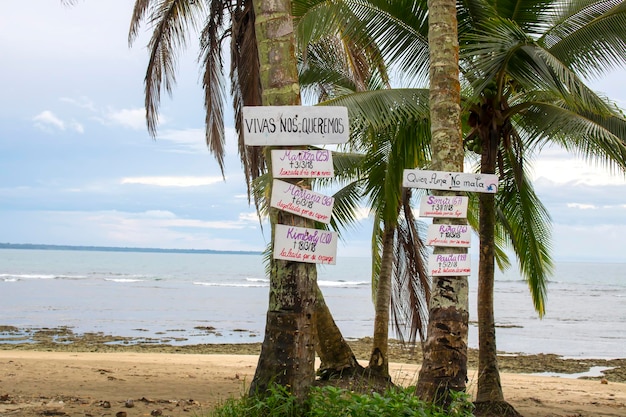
(299, 125)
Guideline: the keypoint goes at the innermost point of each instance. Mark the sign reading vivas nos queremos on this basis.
(294, 125)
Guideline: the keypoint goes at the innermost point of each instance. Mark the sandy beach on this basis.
(77, 383)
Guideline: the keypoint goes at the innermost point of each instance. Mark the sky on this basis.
(77, 166)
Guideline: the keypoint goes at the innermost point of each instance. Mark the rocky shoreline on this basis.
(63, 339)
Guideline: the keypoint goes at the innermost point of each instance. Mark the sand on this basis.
(36, 383)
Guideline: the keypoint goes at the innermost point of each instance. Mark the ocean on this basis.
(191, 298)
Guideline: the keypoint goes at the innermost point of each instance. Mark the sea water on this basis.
(188, 298)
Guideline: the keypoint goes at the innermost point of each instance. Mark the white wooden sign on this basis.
(297, 200)
(294, 125)
(302, 163)
(444, 206)
(457, 264)
(458, 235)
(302, 244)
(453, 181)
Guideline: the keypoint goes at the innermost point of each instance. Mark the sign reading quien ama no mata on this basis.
(453, 181)
(294, 125)
(302, 244)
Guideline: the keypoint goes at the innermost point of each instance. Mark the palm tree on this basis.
(398, 255)
(521, 91)
(288, 351)
(522, 67)
(173, 22)
(445, 353)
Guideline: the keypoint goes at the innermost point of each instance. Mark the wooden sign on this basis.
(458, 235)
(297, 200)
(444, 206)
(452, 181)
(294, 125)
(302, 244)
(454, 264)
(302, 163)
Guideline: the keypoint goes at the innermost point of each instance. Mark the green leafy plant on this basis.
(332, 401)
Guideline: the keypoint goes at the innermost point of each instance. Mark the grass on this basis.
(330, 401)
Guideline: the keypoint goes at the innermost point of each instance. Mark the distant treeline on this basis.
(118, 249)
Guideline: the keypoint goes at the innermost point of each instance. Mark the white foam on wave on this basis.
(341, 284)
(17, 277)
(124, 280)
(232, 284)
(263, 282)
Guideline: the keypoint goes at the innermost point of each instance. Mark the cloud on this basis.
(582, 206)
(150, 228)
(186, 140)
(47, 119)
(81, 102)
(145, 228)
(555, 165)
(172, 181)
(194, 139)
(77, 127)
(131, 118)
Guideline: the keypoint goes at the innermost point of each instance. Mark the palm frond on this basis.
(383, 108)
(400, 36)
(245, 76)
(213, 81)
(597, 138)
(527, 223)
(588, 36)
(411, 284)
(171, 21)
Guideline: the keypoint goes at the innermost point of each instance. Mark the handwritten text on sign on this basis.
(302, 244)
(449, 235)
(455, 181)
(455, 264)
(441, 206)
(302, 163)
(297, 200)
(294, 125)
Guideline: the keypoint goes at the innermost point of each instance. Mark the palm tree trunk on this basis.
(489, 386)
(288, 351)
(379, 362)
(489, 396)
(335, 353)
(444, 368)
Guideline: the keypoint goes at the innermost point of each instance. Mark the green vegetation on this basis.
(331, 401)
